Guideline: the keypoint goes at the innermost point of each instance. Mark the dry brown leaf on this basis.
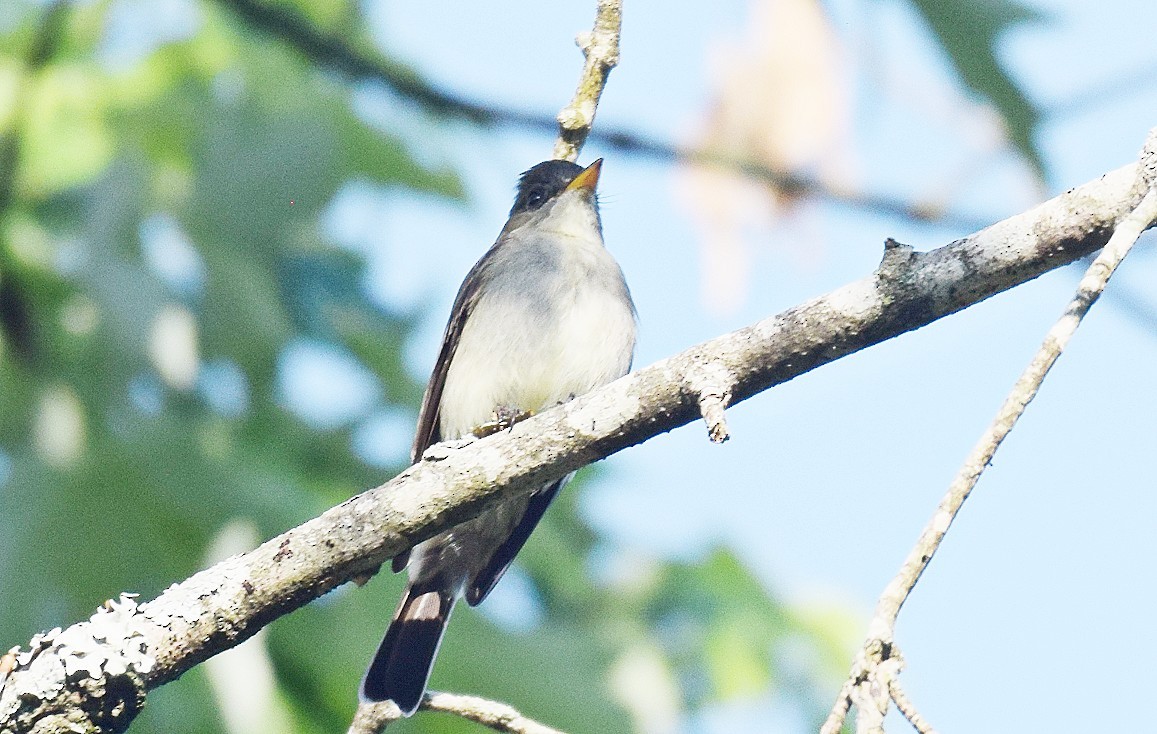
(782, 100)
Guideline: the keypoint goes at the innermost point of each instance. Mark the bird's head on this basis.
(560, 192)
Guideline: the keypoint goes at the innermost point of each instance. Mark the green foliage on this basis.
(968, 33)
(119, 466)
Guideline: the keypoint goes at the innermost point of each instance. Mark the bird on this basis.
(544, 316)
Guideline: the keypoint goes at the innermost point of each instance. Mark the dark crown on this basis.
(542, 183)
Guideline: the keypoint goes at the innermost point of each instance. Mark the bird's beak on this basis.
(588, 179)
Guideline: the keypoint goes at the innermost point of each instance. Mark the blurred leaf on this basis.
(969, 34)
(65, 137)
(736, 669)
(727, 637)
(333, 17)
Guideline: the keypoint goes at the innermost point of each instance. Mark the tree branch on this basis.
(906, 707)
(356, 62)
(601, 49)
(218, 608)
(373, 718)
(871, 685)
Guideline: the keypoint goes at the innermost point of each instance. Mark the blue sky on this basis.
(1036, 613)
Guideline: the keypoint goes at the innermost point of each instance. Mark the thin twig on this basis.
(906, 707)
(1089, 289)
(712, 405)
(839, 712)
(356, 62)
(372, 718)
(878, 649)
(601, 49)
(868, 690)
(713, 381)
(1130, 300)
(497, 716)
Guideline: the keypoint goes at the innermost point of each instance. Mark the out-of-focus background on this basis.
(230, 232)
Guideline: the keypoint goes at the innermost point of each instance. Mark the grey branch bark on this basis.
(872, 681)
(373, 718)
(111, 661)
(601, 48)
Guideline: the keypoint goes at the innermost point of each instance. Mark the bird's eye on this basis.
(535, 198)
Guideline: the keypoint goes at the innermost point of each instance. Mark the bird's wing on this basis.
(484, 581)
(428, 432)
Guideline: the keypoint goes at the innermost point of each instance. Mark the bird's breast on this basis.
(552, 321)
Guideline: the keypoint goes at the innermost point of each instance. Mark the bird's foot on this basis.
(501, 419)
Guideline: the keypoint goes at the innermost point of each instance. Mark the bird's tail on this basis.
(402, 664)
